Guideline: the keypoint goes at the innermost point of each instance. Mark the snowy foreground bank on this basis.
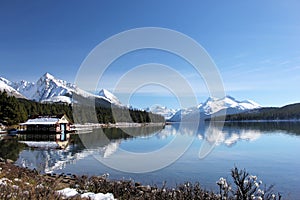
(22, 183)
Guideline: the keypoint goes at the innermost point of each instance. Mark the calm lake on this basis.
(268, 150)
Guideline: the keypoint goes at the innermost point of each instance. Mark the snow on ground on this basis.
(70, 192)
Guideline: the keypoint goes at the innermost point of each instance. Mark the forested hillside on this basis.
(14, 111)
(289, 112)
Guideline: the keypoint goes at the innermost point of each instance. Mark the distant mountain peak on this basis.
(110, 96)
(51, 89)
(104, 91)
(47, 75)
(215, 106)
(167, 113)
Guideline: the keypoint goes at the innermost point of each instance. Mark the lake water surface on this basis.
(268, 150)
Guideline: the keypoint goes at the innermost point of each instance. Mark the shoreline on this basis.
(87, 127)
(17, 182)
(90, 126)
(24, 183)
(258, 121)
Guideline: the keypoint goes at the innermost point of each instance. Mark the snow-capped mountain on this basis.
(215, 106)
(167, 113)
(46, 88)
(109, 96)
(50, 89)
(5, 85)
(186, 114)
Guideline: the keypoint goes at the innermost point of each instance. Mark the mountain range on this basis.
(211, 107)
(50, 89)
(214, 107)
(167, 113)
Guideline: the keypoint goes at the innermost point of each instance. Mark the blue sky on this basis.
(254, 44)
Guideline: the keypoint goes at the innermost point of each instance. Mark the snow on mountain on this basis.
(6, 85)
(167, 113)
(58, 99)
(215, 106)
(184, 113)
(24, 87)
(109, 96)
(50, 89)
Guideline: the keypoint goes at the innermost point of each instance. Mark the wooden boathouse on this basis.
(59, 124)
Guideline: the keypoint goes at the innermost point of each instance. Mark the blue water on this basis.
(270, 151)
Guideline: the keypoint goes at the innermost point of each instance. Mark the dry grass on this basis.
(20, 183)
(129, 190)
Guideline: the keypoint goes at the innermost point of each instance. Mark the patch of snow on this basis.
(98, 196)
(4, 181)
(71, 192)
(68, 192)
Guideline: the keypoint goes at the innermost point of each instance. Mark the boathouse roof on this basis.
(42, 120)
(47, 120)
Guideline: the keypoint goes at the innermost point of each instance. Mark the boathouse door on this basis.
(63, 132)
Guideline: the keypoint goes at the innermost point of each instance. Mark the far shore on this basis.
(259, 121)
(115, 125)
(99, 125)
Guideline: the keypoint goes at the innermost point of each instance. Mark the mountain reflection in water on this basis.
(269, 150)
(105, 142)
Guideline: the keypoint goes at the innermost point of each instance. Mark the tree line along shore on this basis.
(14, 110)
